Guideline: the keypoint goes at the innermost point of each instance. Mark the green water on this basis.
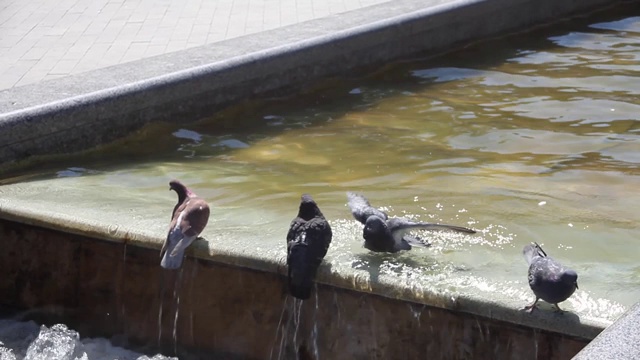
(534, 137)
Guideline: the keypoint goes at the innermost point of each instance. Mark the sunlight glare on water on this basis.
(529, 138)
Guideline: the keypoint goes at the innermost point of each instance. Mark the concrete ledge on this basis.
(619, 341)
(79, 112)
(106, 288)
(124, 217)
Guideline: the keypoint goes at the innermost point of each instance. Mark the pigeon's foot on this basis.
(558, 310)
(530, 308)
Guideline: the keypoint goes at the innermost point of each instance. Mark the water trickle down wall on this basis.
(104, 288)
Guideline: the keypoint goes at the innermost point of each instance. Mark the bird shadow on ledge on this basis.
(372, 262)
(549, 312)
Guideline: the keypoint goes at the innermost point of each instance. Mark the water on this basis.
(529, 138)
(293, 338)
(29, 341)
(172, 281)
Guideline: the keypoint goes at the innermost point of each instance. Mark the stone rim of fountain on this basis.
(149, 233)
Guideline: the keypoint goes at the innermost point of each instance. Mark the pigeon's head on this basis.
(570, 277)
(308, 208)
(179, 188)
(374, 225)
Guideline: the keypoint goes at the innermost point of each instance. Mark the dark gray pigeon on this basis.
(549, 280)
(361, 209)
(382, 234)
(189, 217)
(307, 243)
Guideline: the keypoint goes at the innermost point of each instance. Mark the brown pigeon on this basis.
(190, 216)
(308, 240)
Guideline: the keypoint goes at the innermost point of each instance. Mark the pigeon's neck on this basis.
(308, 213)
(184, 194)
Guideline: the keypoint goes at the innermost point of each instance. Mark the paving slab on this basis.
(42, 40)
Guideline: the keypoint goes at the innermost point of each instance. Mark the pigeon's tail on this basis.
(532, 251)
(300, 273)
(170, 261)
(174, 252)
(353, 197)
(427, 226)
(300, 292)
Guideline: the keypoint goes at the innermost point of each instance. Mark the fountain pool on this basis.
(533, 137)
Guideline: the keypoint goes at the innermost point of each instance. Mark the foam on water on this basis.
(27, 341)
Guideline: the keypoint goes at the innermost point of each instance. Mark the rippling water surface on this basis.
(530, 138)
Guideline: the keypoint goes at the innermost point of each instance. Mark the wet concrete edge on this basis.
(619, 341)
(501, 309)
(85, 110)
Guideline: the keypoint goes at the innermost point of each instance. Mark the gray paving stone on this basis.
(64, 32)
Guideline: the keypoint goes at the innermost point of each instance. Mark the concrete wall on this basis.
(85, 110)
(105, 288)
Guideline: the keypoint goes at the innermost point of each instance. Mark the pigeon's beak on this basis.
(577, 286)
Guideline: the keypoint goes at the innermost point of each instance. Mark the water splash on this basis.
(194, 272)
(288, 331)
(162, 292)
(280, 332)
(337, 304)
(58, 342)
(174, 306)
(314, 332)
(28, 341)
(416, 312)
(122, 280)
(176, 298)
(297, 310)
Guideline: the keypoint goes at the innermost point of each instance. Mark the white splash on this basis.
(21, 340)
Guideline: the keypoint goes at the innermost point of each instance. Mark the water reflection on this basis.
(537, 141)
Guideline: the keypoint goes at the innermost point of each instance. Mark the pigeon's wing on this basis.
(361, 209)
(531, 252)
(298, 278)
(182, 245)
(176, 219)
(307, 245)
(189, 220)
(173, 249)
(546, 269)
(196, 216)
(411, 242)
(403, 244)
(293, 234)
(546, 280)
(399, 227)
(319, 237)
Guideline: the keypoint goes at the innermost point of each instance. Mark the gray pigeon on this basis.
(308, 240)
(549, 280)
(382, 234)
(189, 217)
(361, 209)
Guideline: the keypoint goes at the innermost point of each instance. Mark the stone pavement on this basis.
(44, 39)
